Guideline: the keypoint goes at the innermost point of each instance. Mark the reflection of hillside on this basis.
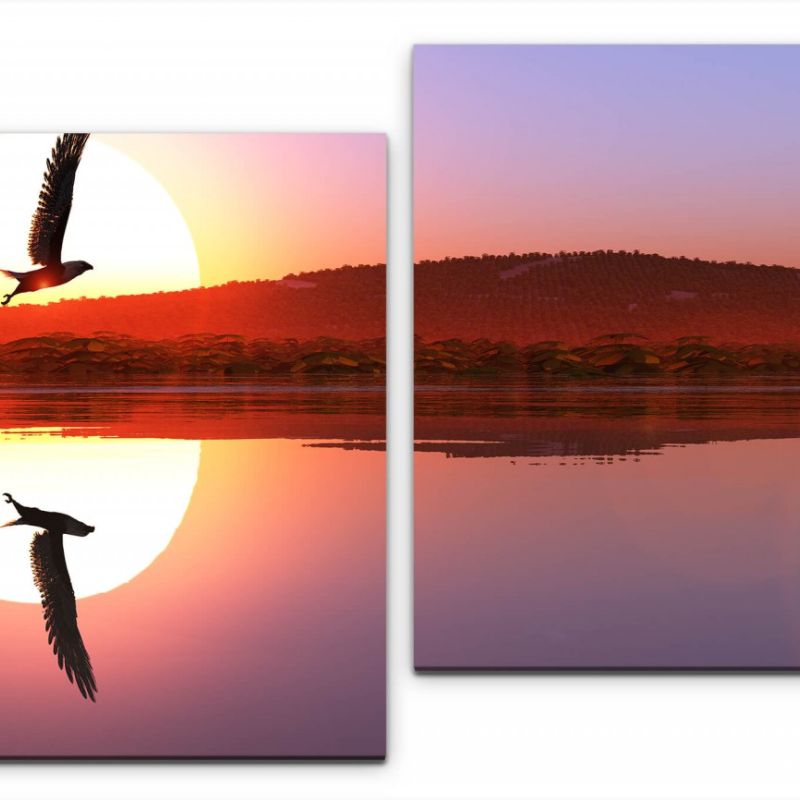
(601, 423)
(574, 297)
(234, 410)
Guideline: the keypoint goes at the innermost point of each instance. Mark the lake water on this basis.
(607, 525)
(232, 595)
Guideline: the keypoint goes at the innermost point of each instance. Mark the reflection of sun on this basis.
(134, 491)
(123, 222)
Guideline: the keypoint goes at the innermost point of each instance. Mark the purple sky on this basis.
(681, 150)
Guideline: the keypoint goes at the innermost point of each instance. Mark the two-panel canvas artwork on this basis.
(192, 396)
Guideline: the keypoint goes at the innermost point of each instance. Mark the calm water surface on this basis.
(601, 526)
(232, 594)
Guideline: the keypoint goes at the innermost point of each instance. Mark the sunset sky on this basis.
(158, 212)
(262, 205)
(681, 150)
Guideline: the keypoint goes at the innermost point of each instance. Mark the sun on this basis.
(134, 491)
(123, 222)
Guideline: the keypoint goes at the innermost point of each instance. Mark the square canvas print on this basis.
(192, 456)
(607, 357)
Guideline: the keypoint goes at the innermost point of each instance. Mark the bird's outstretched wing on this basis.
(60, 611)
(55, 200)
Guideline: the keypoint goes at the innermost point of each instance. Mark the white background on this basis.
(331, 65)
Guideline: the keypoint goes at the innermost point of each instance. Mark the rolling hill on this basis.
(575, 297)
(346, 303)
(523, 298)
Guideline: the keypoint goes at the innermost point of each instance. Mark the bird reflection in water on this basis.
(51, 576)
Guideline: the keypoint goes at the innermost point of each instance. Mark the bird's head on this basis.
(84, 266)
(74, 527)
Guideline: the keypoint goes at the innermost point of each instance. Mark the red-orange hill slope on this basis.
(524, 298)
(346, 303)
(574, 297)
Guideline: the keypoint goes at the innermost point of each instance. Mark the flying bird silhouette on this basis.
(51, 576)
(50, 222)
